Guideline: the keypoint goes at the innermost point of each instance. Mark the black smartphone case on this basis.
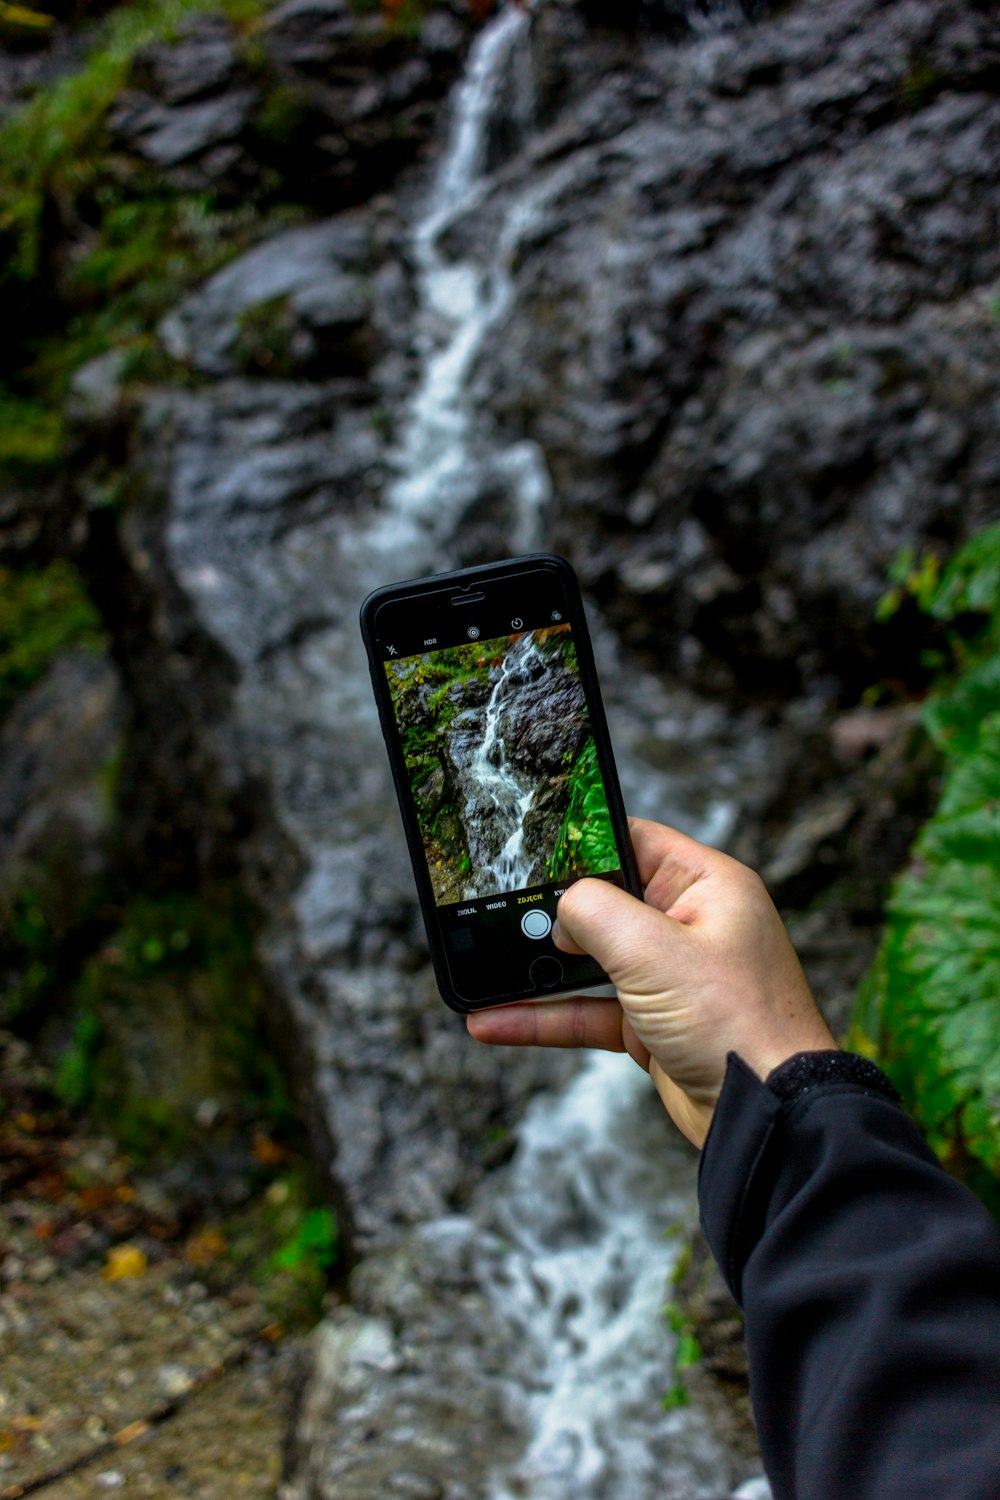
(602, 740)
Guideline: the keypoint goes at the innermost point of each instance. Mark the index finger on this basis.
(578, 1021)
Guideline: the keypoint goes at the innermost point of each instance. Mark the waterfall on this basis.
(509, 795)
(460, 302)
(584, 1211)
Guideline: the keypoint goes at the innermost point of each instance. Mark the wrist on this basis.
(765, 1057)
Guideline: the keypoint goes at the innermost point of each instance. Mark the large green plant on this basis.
(930, 1006)
(586, 840)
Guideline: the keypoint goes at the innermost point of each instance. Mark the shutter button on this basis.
(536, 923)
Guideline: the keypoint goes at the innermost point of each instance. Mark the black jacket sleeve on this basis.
(870, 1287)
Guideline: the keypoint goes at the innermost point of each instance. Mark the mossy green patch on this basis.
(169, 1012)
(31, 436)
(138, 243)
(42, 611)
(286, 1243)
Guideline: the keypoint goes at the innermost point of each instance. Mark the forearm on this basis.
(870, 1283)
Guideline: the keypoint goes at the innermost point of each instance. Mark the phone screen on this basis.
(505, 773)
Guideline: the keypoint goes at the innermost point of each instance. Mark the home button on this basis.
(545, 973)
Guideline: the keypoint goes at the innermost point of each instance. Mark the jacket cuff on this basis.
(810, 1070)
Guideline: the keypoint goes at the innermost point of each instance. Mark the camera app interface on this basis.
(502, 767)
(502, 764)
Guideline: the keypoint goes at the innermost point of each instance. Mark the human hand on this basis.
(703, 967)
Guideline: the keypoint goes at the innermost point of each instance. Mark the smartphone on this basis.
(500, 753)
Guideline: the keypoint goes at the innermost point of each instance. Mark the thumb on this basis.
(629, 939)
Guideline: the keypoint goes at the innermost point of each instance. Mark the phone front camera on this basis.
(473, 632)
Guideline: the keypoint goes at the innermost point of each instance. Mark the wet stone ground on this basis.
(135, 1359)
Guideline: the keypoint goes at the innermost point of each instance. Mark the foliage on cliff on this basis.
(930, 1006)
(42, 612)
(135, 242)
(586, 839)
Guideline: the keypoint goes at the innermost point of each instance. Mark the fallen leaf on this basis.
(266, 1151)
(205, 1247)
(130, 1433)
(124, 1261)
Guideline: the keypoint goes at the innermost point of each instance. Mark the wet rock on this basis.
(255, 495)
(168, 135)
(746, 265)
(58, 749)
(309, 33)
(200, 59)
(373, 1418)
(315, 272)
(95, 391)
(348, 99)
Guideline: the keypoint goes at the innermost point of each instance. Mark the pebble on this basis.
(175, 1380)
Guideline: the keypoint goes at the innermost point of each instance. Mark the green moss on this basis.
(48, 146)
(75, 1070)
(21, 24)
(286, 1244)
(170, 1011)
(920, 85)
(31, 436)
(687, 1354)
(140, 244)
(264, 339)
(42, 612)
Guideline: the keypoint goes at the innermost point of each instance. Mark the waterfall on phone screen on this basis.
(507, 795)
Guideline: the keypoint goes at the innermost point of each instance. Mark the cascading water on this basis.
(507, 795)
(459, 303)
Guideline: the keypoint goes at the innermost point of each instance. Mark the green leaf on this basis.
(930, 1004)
